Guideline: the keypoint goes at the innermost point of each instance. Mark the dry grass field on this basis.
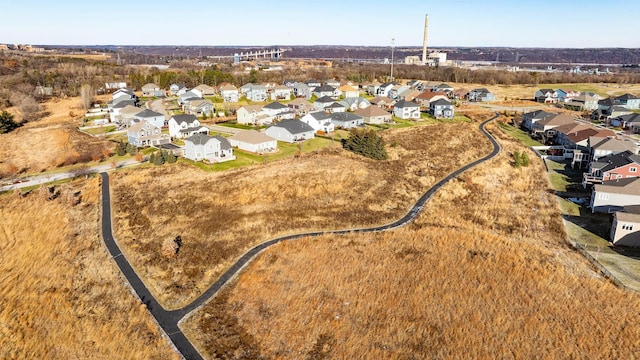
(219, 216)
(61, 296)
(485, 272)
(49, 142)
(512, 92)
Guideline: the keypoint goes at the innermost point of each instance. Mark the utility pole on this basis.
(393, 42)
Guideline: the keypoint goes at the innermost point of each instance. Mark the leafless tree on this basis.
(86, 95)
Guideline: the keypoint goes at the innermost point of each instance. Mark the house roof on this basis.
(611, 144)
(336, 105)
(441, 102)
(130, 110)
(379, 99)
(428, 95)
(406, 104)
(228, 87)
(135, 127)
(626, 186)
(629, 118)
(146, 113)
(282, 87)
(544, 91)
(189, 95)
(571, 127)
(202, 139)
(275, 106)
(626, 97)
(371, 111)
(205, 88)
(324, 88)
(539, 114)
(294, 126)
(325, 99)
(628, 215)
(251, 108)
(584, 134)
(252, 137)
(345, 116)
(557, 119)
(347, 102)
(150, 85)
(615, 161)
(200, 102)
(345, 88)
(320, 115)
(182, 118)
(123, 103)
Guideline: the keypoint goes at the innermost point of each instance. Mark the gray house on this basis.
(441, 109)
(346, 120)
(290, 131)
(211, 148)
(144, 133)
(480, 95)
(302, 90)
(151, 117)
(614, 195)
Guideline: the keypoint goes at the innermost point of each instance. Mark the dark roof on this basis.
(294, 126)
(275, 106)
(629, 118)
(615, 161)
(189, 119)
(146, 113)
(124, 103)
(441, 102)
(626, 97)
(538, 114)
(546, 90)
(324, 88)
(345, 116)
(336, 105)
(224, 143)
(325, 99)
(404, 103)
(320, 115)
(201, 139)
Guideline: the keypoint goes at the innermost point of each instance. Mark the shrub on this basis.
(366, 143)
(7, 123)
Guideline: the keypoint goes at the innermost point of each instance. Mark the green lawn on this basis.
(519, 134)
(100, 130)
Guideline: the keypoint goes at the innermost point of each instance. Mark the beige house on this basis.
(374, 115)
(254, 141)
(625, 229)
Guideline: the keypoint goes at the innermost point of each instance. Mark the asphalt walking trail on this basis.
(169, 320)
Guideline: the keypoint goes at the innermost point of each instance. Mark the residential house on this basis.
(348, 91)
(374, 115)
(210, 148)
(615, 195)
(201, 107)
(578, 136)
(320, 121)
(290, 83)
(480, 95)
(152, 117)
(335, 108)
(372, 89)
(291, 131)
(406, 110)
(204, 90)
(152, 90)
(547, 96)
(325, 90)
(445, 88)
(312, 84)
(300, 106)
(626, 121)
(395, 91)
(115, 110)
(460, 94)
(382, 102)
(249, 114)
(424, 98)
(441, 108)
(254, 141)
(530, 118)
(185, 125)
(346, 120)
(354, 103)
(177, 89)
(416, 85)
(333, 83)
(115, 85)
(600, 147)
(302, 90)
(385, 88)
(281, 92)
(257, 93)
(144, 133)
(625, 228)
(275, 108)
(229, 93)
(629, 101)
(615, 166)
(565, 95)
(188, 96)
(323, 102)
(582, 102)
(546, 126)
(126, 115)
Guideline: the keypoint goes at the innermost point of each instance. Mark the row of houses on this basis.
(601, 109)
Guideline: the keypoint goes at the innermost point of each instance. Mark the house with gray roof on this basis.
(302, 90)
(290, 131)
(210, 148)
(600, 147)
(621, 165)
(152, 117)
(406, 110)
(346, 120)
(319, 121)
(185, 125)
(254, 141)
(323, 102)
(441, 108)
(325, 91)
(614, 195)
(143, 133)
(275, 108)
(480, 95)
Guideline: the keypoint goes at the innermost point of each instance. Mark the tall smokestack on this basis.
(424, 41)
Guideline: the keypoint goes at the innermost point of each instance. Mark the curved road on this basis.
(168, 320)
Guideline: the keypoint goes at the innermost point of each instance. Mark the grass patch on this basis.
(100, 130)
(518, 134)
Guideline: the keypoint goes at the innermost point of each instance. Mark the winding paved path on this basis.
(168, 320)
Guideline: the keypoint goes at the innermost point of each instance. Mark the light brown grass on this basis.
(484, 272)
(61, 296)
(220, 216)
(46, 143)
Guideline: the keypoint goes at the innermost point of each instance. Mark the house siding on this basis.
(625, 233)
(602, 201)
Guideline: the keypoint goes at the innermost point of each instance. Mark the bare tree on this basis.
(86, 95)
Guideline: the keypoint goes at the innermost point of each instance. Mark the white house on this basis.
(229, 93)
(302, 90)
(614, 195)
(254, 141)
(177, 89)
(319, 121)
(406, 110)
(348, 91)
(346, 120)
(324, 90)
(281, 92)
(290, 131)
(441, 109)
(323, 102)
(152, 89)
(199, 107)
(374, 115)
(204, 90)
(182, 126)
(275, 108)
(211, 148)
(144, 133)
(256, 93)
(249, 114)
(151, 117)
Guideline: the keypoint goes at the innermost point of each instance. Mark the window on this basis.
(603, 196)
(627, 227)
(633, 169)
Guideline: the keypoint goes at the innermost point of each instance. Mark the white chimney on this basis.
(424, 41)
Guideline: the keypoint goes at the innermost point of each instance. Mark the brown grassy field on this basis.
(219, 216)
(49, 142)
(511, 92)
(61, 296)
(485, 272)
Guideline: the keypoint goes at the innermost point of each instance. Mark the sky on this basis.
(461, 23)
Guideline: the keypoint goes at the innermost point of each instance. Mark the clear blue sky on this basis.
(474, 23)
